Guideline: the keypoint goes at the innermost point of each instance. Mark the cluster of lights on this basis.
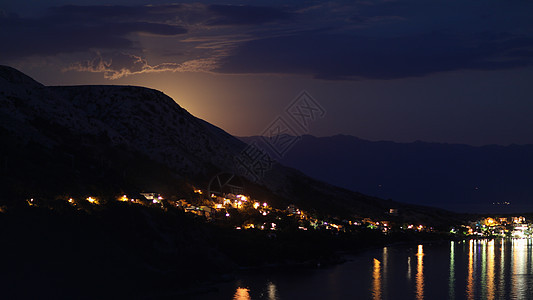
(519, 220)
(242, 198)
(92, 200)
(239, 202)
(499, 226)
(490, 222)
(521, 229)
(157, 200)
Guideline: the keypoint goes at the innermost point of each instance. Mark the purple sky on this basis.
(442, 70)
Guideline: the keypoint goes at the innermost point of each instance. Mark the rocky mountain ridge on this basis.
(121, 138)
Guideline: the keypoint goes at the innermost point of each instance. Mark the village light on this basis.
(92, 200)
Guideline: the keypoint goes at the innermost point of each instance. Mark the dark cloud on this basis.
(344, 56)
(70, 29)
(246, 15)
(330, 40)
(100, 11)
(44, 37)
(146, 27)
(155, 13)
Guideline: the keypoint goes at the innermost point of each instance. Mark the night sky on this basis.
(453, 71)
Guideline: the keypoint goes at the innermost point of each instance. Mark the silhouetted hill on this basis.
(106, 140)
(103, 141)
(451, 176)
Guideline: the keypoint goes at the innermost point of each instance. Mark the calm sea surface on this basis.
(474, 269)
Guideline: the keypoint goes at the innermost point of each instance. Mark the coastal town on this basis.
(242, 212)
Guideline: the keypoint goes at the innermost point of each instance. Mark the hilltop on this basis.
(108, 140)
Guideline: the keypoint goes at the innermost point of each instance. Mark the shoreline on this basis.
(339, 257)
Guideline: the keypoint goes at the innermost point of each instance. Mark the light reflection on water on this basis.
(242, 294)
(472, 269)
(519, 258)
(409, 268)
(470, 279)
(272, 291)
(501, 274)
(385, 271)
(451, 279)
(376, 291)
(420, 273)
(490, 270)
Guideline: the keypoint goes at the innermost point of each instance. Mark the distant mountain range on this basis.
(455, 177)
(108, 140)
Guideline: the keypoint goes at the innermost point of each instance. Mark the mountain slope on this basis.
(152, 123)
(112, 139)
(456, 177)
